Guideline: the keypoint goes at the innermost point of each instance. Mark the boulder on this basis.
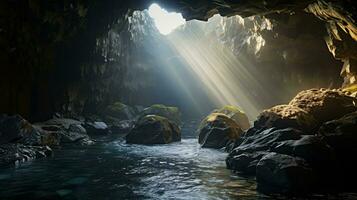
(217, 130)
(153, 129)
(236, 114)
(325, 104)
(286, 116)
(169, 112)
(311, 148)
(18, 153)
(278, 173)
(307, 111)
(16, 129)
(120, 111)
(245, 163)
(62, 130)
(247, 154)
(94, 128)
(341, 136)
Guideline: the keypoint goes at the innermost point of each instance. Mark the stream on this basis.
(112, 169)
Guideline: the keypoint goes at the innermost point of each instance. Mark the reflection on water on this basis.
(115, 170)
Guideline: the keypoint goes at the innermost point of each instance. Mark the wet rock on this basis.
(266, 140)
(236, 114)
(18, 153)
(169, 112)
(247, 154)
(278, 173)
(153, 129)
(61, 131)
(16, 129)
(217, 130)
(312, 148)
(341, 135)
(245, 163)
(100, 128)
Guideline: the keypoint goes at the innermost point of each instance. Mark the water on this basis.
(112, 169)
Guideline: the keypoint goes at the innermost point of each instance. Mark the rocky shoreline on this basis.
(303, 147)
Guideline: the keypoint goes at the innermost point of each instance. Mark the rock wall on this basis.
(49, 52)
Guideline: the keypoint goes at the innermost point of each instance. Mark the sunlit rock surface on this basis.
(217, 130)
(285, 116)
(307, 110)
(154, 129)
(324, 104)
(236, 114)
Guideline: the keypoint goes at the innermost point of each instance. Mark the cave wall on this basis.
(48, 47)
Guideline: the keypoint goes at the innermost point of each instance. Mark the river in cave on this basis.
(112, 169)
(178, 99)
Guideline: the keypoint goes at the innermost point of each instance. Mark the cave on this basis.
(178, 99)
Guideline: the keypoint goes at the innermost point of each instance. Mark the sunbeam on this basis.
(227, 79)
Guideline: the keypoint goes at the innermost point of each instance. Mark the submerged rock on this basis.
(153, 129)
(236, 114)
(18, 153)
(217, 130)
(169, 112)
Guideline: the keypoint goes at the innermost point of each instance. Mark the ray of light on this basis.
(227, 79)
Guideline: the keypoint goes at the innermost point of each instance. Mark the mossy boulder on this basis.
(217, 130)
(153, 129)
(169, 112)
(120, 111)
(236, 114)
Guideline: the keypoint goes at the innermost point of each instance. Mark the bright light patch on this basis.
(165, 22)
